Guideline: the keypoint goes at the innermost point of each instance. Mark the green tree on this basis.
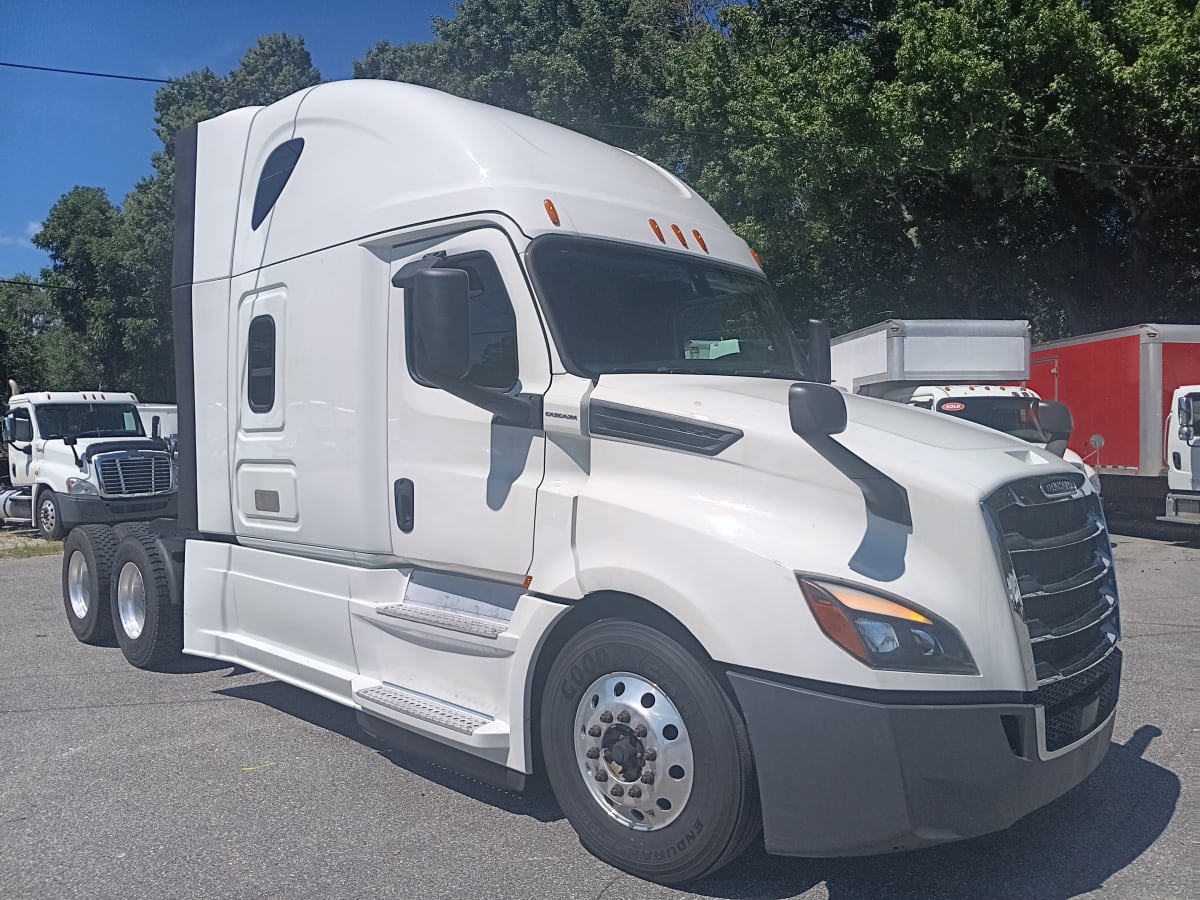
(598, 66)
(978, 157)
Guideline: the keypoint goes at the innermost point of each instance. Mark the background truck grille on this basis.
(1057, 552)
(123, 475)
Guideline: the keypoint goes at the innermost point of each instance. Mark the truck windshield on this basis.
(615, 308)
(58, 420)
(1012, 415)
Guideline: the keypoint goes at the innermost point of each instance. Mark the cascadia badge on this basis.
(1058, 487)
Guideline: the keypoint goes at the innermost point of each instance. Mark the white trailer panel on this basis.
(931, 351)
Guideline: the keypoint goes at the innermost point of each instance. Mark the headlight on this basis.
(81, 486)
(885, 633)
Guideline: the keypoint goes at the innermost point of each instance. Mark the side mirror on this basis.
(156, 427)
(816, 410)
(1055, 420)
(70, 440)
(820, 362)
(1187, 413)
(22, 430)
(441, 324)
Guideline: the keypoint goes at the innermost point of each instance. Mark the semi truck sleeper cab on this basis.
(498, 436)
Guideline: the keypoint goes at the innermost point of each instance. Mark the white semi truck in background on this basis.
(972, 369)
(82, 457)
(498, 436)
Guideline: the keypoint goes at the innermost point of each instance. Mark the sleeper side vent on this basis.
(623, 423)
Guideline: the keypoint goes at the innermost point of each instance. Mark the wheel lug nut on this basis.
(593, 753)
(647, 778)
(623, 717)
(651, 755)
(617, 791)
(640, 731)
(594, 731)
(605, 717)
(635, 792)
(602, 776)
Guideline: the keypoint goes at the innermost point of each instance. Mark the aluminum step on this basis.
(450, 619)
(420, 706)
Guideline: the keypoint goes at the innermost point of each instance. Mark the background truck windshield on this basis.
(615, 308)
(57, 420)
(1012, 415)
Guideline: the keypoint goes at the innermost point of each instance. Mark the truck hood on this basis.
(917, 448)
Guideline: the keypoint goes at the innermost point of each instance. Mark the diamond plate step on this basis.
(446, 618)
(428, 709)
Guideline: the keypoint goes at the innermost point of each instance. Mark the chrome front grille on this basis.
(1056, 552)
(133, 474)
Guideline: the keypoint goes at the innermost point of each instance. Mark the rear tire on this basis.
(148, 625)
(86, 570)
(648, 757)
(49, 516)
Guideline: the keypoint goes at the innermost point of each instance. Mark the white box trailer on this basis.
(897, 352)
(497, 436)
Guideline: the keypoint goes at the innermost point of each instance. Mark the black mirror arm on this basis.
(884, 497)
(522, 411)
(27, 449)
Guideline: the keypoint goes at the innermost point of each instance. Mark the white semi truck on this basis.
(973, 369)
(498, 436)
(82, 457)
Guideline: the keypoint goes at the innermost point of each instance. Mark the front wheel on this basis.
(49, 516)
(647, 756)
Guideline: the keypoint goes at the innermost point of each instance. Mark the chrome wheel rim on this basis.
(131, 600)
(634, 751)
(77, 585)
(47, 515)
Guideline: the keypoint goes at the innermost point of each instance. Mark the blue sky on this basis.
(58, 131)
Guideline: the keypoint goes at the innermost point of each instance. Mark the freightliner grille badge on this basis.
(1058, 487)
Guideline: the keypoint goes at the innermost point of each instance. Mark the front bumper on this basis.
(98, 511)
(851, 777)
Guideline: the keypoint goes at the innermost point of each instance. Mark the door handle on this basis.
(404, 504)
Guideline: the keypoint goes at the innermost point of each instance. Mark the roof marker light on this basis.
(679, 234)
(700, 240)
(657, 232)
(551, 211)
(757, 258)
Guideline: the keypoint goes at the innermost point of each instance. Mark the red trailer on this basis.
(1118, 385)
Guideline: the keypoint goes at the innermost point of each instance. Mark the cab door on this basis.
(462, 488)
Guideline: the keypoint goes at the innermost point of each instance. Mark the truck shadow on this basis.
(1066, 849)
(537, 802)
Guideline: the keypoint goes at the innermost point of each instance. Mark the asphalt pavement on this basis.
(212, 781)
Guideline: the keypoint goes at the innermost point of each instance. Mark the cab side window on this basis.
(260, 364)
(492, 320)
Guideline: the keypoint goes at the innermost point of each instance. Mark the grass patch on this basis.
(26, 551)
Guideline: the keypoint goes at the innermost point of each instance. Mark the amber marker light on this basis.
(551, 212)
(657, 232)
(679, 234)
(700, 240)
(757, 258)
(832, 619)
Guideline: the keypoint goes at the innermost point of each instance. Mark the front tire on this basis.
(87, 566)
(149, 626)
(648, 757)
(49, 516)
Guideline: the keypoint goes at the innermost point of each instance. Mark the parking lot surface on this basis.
(212, 781)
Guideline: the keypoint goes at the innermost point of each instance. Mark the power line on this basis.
(10, 65)
(1014, 157)
(44, 287)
